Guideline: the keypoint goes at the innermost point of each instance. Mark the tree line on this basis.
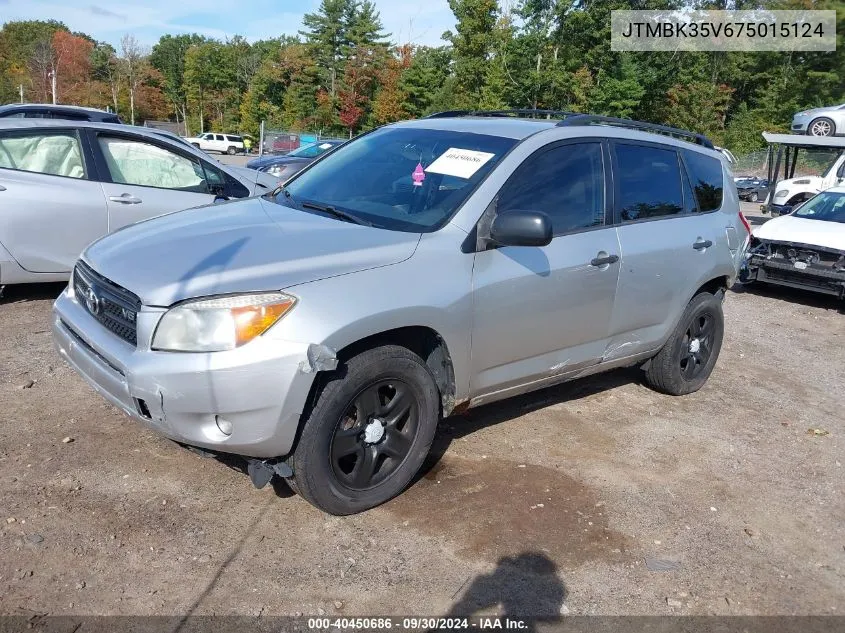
(341, 73)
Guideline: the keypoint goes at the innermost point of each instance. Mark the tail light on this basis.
(745, 223)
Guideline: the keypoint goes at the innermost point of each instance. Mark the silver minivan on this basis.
(323, 330)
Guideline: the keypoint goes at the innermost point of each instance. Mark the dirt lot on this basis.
(568, 500)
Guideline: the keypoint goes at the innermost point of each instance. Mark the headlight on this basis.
(782, 193)
(219, 323)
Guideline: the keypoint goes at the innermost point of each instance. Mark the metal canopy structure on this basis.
(784, 148)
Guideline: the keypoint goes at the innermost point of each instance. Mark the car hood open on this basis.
(795, 230)
(243, 246)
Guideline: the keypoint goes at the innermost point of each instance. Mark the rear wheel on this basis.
(753, 197)
(368, 433)
(821, 127)
(197, 145)
(688, 357)
(231, 151)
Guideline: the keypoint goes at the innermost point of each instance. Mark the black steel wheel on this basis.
(368, 432)
(374, 434)
(696, 346)
(687, 359)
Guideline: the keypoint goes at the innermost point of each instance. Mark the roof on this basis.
(798, 140)
(507, 127)
(148, 132)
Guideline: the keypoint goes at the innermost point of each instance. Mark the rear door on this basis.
(143, 178)
(51, 205)
(667, 246)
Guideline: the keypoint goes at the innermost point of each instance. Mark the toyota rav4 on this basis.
(323, 330)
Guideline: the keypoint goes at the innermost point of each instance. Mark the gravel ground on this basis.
(595, 497)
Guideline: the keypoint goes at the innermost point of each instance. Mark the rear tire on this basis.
(821, 127)
(368, 433)
(197, 145)
(688, 357)
(231, 151)
(753, 197)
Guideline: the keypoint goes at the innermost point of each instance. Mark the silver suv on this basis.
(323, 330)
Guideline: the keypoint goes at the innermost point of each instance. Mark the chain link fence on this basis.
(810, 163)
(276, 141)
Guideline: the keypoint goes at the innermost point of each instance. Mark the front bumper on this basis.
(260, 388)
(778, 209)
(784, 273)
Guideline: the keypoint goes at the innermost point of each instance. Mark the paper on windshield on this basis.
(462, 163)
(325, 146)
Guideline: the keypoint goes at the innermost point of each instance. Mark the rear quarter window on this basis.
(707, 181)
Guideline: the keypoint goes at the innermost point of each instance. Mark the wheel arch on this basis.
(426, 343)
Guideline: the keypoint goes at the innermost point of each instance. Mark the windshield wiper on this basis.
(325, 208)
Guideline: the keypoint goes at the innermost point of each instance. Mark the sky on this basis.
(414, 21)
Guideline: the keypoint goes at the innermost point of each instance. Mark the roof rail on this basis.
(594, 119)
(577, 118)
(528, 113)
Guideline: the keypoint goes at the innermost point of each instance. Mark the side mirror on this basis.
(521, 228)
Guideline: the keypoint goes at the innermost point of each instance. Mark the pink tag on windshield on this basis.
(418, 176)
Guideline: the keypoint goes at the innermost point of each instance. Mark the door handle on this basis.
(701, 244)
(604, 261)
(126, 199)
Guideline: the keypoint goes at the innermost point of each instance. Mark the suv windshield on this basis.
(828, 206)
(403, 179)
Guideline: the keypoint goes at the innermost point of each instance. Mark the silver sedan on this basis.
(829, 121)
(65, 184)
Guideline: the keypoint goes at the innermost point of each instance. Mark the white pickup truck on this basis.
(216, 142)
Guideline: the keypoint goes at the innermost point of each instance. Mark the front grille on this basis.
(114, 307)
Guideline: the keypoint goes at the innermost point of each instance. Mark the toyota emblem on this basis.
(92, 301)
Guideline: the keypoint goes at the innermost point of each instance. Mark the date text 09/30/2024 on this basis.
(417, 624)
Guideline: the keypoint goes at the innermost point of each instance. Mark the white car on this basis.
(216, 142)
(65, 184)
(805, 249)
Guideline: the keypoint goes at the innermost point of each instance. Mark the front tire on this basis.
(753, 197)
(368, 433)
(687, 359)
(821, 127)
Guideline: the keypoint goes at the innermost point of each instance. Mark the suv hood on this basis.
(244, 246)
(790, 228)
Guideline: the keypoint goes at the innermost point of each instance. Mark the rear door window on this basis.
(52, 153)
(707, 181)
(649, 182)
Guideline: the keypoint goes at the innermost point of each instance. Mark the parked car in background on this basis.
(282, 144)
(828, 121)
(791, 192)
(322, 330)
(805, 249)
(216, 142)
(752, 189)
(50, 111)
(64, 184)
(283, 167)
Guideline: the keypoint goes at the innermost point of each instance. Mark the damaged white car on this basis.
(805, 249)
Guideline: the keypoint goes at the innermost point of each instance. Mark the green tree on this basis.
(425, 80)
(364, 27)
(168, 57)
(327, 38)
(472, 44)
